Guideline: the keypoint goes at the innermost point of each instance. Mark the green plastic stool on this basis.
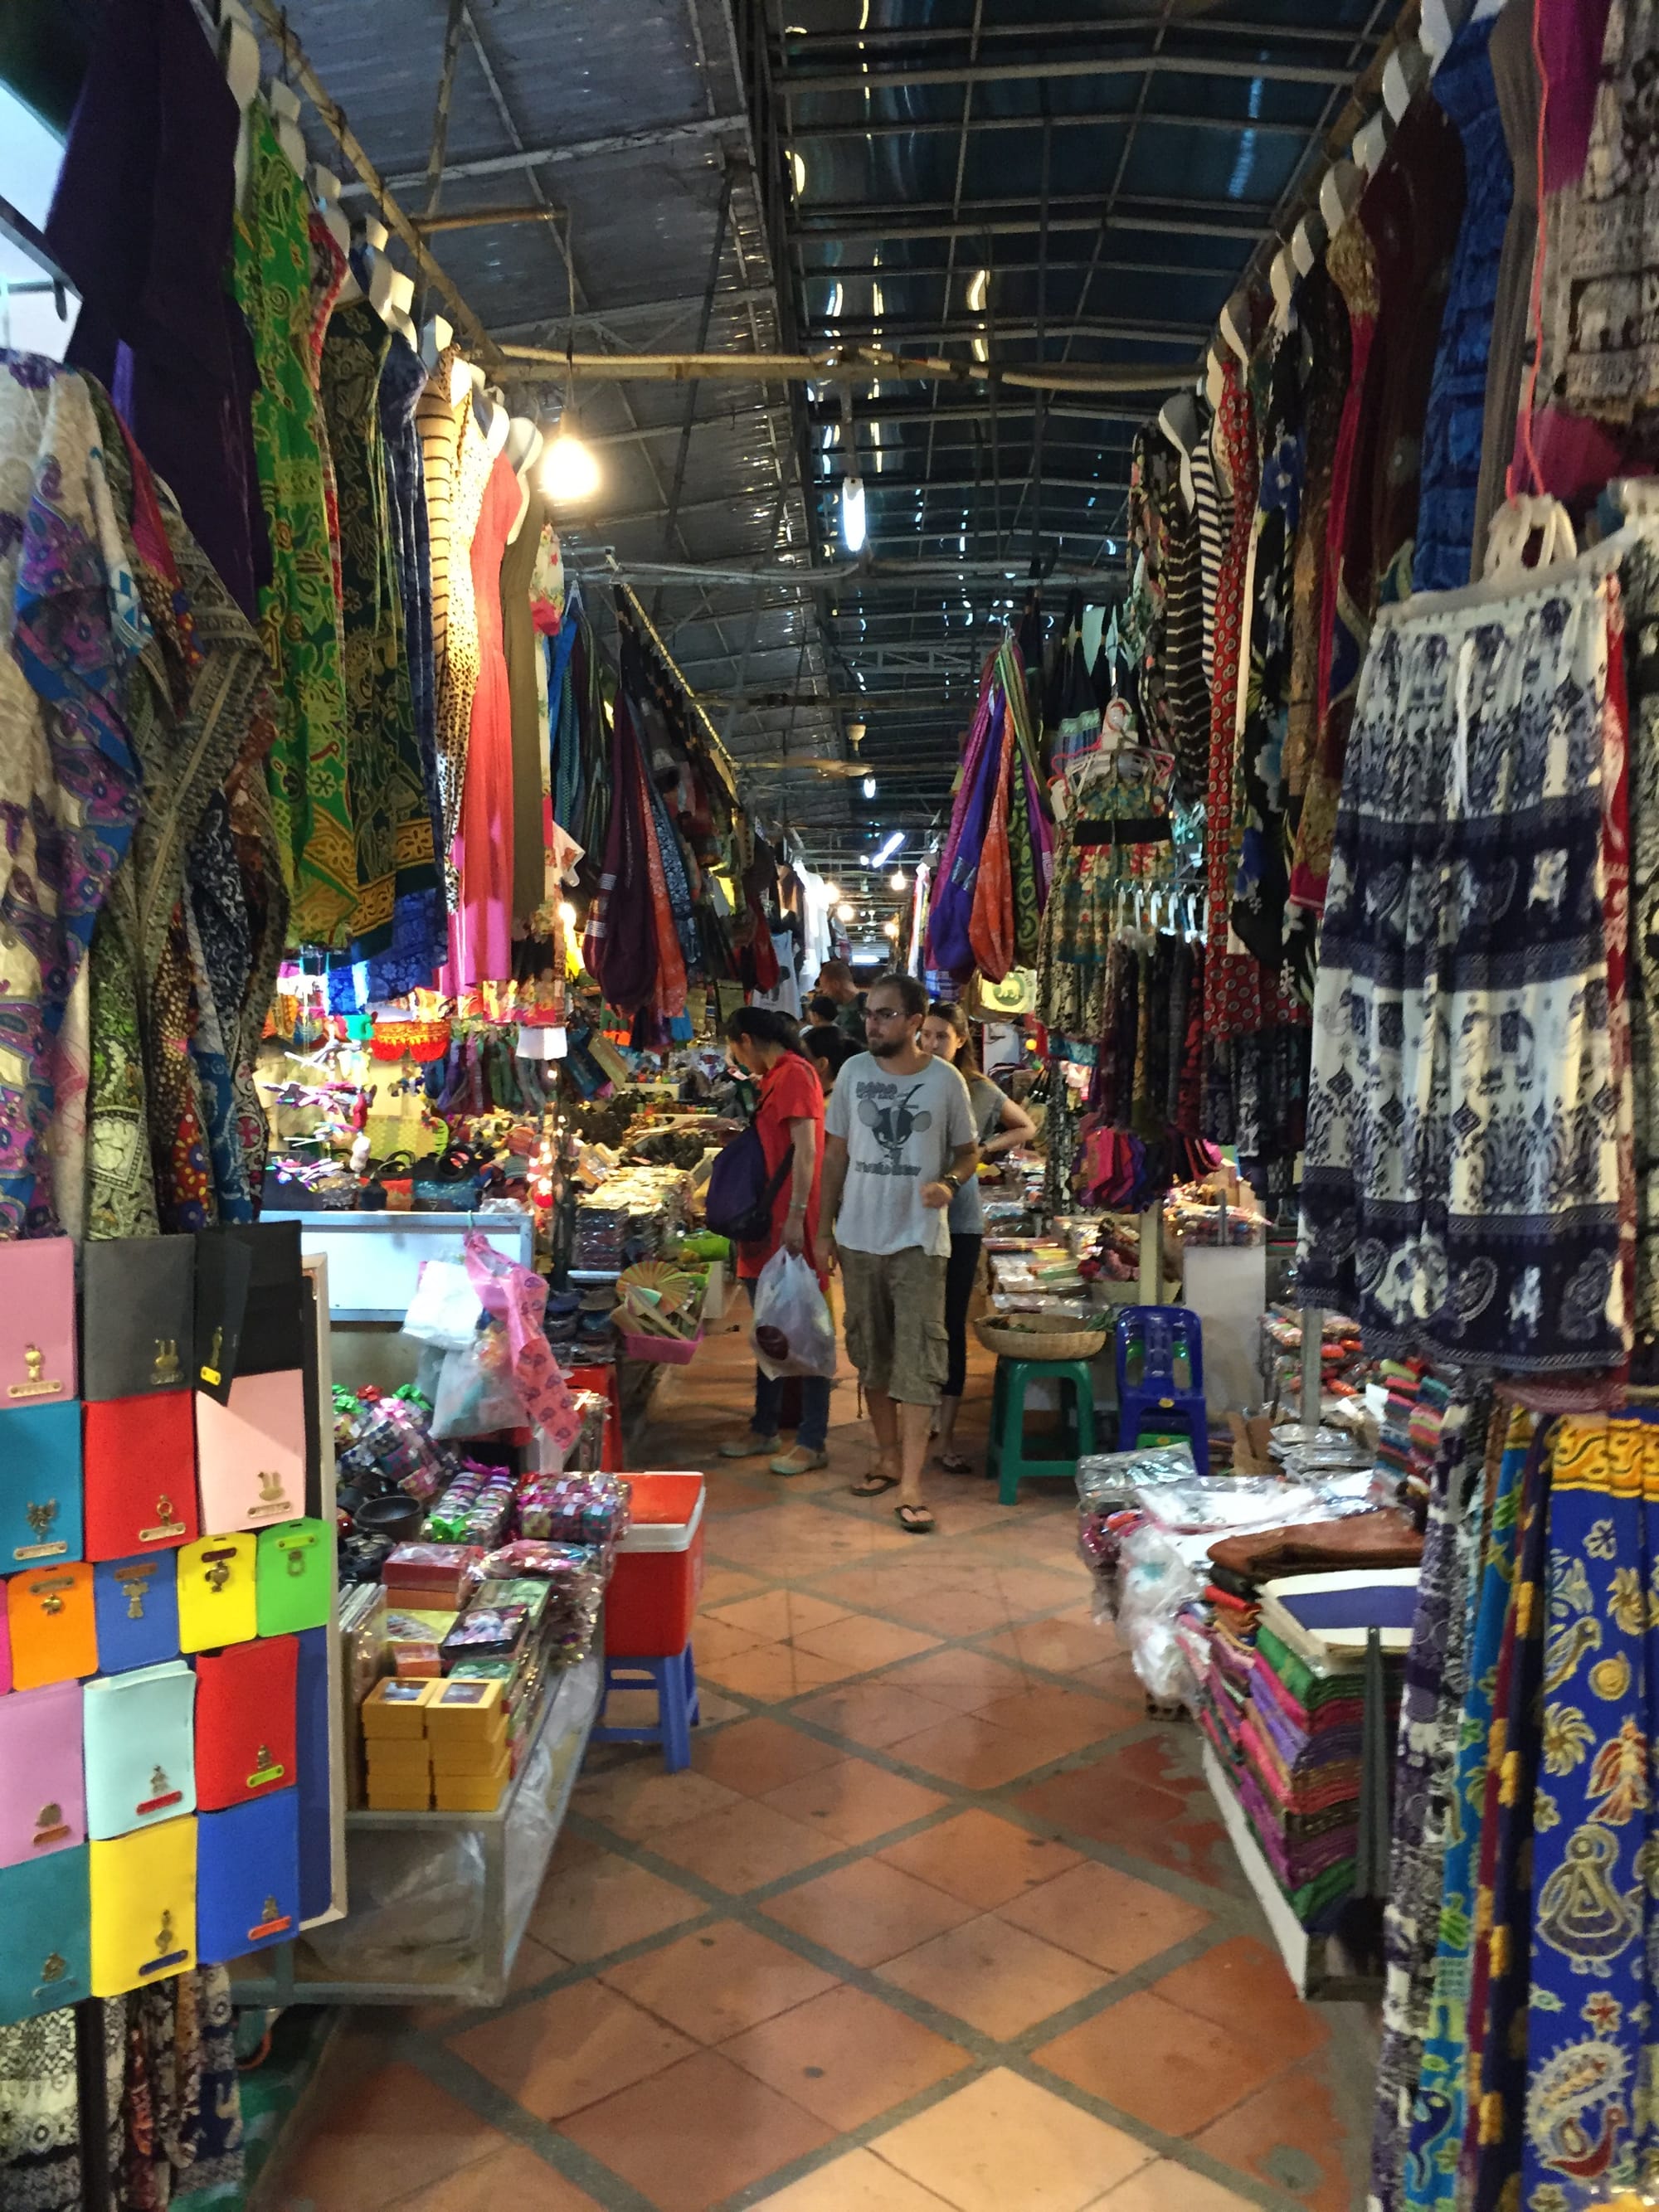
(1007, 1460)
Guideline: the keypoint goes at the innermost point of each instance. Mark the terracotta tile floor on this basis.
(940, 1922)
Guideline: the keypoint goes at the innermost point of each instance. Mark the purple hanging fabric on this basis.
(140, 219)
(948, 943)
(1042, 831)
(620, 946)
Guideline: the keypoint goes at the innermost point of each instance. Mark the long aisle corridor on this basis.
(939, 1919)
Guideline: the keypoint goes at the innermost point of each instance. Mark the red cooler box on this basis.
(654, 1592)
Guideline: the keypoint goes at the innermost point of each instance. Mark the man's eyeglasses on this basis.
(887, 1014)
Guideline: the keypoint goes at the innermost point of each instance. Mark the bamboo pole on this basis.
(275, 22)
(841, 368)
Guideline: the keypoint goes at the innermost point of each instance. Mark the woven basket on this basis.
(1061, 1340)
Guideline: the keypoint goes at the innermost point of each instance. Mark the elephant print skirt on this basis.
(1469, 1113)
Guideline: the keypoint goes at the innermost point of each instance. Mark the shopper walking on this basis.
(899, 1145)
(828, 1050)
(789, 1121)
(835, 981)
(1000, 1126)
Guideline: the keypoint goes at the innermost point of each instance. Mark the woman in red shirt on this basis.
(789, 1120)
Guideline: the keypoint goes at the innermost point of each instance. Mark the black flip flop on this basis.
(953, 1463)
(915, 1520)
(874, 1486)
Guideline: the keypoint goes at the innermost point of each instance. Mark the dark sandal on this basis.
(915, 1520)
(954, 1463)
(874, 1486)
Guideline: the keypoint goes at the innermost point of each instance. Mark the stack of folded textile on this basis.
(1400, 1379)
(1224, 1689)
(1433, 1396)
(1299, 1773)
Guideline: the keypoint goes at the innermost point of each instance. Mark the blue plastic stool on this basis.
(675, 1682)
(1161, 1335)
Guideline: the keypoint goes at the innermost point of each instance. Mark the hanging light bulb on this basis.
(844, 911)
(869, 787)
(852, 513)
(898, 881)
(891, 928)
(832, 894)
(570, 473)
(567, 913)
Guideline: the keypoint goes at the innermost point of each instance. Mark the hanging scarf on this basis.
(991, 923)
(950, 941)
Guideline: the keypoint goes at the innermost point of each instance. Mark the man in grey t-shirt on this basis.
(898, 1145)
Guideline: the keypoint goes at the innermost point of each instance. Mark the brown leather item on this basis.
(1386, 1537)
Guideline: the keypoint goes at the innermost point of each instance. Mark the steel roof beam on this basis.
(855, 221)
(879, 40)
(942, 127)
(908, 77)
(887, 328)
(694, 130)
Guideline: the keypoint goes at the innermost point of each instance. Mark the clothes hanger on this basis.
(1404, 75)
(1308, 241)
(1517, 523)
(1371, 142)
(1236, 322)
(1339, 192)
(1281, 279)
(1214, 383)
(401, 300)
(325, 190)
(238, 55)
(1178, 420)
(284, 105)
(523, 450)
(435, 335)
(381, 273)
(1441, 22)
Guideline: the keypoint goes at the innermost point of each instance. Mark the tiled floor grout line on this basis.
(970, 1562)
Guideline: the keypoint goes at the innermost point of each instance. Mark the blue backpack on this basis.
(741, 1195)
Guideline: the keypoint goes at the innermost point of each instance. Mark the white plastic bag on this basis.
(792, 1332)
(445, 1308)
(476, 1395)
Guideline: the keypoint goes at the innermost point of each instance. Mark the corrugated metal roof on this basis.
(954, 177)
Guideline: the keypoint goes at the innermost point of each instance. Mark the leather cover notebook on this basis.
(135, 1602)
(247, 1877)
(143, 1906)
(42, 1800)
(138, 1472)
(52, 1625)
(40, 1486)
(139, 1730)
(137, 1316)
(37, 1321)
(250, 1454)
(45, 1911)
(244, 1722)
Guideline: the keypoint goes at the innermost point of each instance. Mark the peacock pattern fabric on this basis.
(1461, 1192)
(299, 609)
(1592, 2037)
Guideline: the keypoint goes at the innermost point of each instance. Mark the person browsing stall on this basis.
(899, 1144)
(836, 983)
(789, 1122)
(1000, 1126)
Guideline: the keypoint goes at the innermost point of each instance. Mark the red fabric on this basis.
(790, 1093)
(245, 1720)
(991, 925)
(1232, 981)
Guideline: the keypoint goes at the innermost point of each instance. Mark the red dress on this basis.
(790, 1093)
(481, 930)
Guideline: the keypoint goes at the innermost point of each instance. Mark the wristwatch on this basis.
(952, 1184)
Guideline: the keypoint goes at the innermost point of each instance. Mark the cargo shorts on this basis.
(894, 1321)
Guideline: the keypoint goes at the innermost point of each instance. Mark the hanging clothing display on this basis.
(529, 716)
(1446, 550)
(299, 611)
(482, 922)
(1461, 1188)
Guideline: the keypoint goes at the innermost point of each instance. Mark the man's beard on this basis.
(890, 1048)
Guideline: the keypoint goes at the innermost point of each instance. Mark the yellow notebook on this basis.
(218, 1592)
(143, 1906)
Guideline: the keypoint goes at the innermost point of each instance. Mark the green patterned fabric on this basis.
(390, 815)
(298, 611)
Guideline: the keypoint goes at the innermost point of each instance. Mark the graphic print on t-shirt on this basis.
(886, 1109)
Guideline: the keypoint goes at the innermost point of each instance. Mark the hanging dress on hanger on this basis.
(300, 612)
(520, 644)
(481, 926)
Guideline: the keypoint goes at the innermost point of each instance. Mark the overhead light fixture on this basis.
(852, 513)
(798, 170)
(891, 929)
(570, 473)
(899, 881)
(832, 894)
(887, 851)
(855, 730)
(869, 787)
(843, 912)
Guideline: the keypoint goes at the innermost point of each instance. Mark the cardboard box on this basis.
(469, 1711)
(398, 1759)
(467, 1794)
(406, 1797)
(462, 1756)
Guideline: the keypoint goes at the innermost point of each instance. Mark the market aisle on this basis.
(939, 1920)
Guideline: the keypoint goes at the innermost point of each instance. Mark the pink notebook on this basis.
(250, 1454)
(37, 1321)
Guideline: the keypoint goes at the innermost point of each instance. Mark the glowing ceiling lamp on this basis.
(797, 171)
(869, 787)
(891, 929)
(832, 894)
(852, 513)
(844, 912)
(979, 291)
(900, 883)
(570, 473)
(880, 859)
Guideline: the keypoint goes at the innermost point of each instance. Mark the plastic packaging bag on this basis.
(793, 1332)
(1156, 1579)
(476, 1395)
(445, 1308)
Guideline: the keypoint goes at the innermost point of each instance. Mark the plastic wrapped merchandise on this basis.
(476, 1395)
(392, 1444)
(1106, 1487)
(575, 1573)
(1155, 1580)
(575, 1509)
(1220, 1505)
